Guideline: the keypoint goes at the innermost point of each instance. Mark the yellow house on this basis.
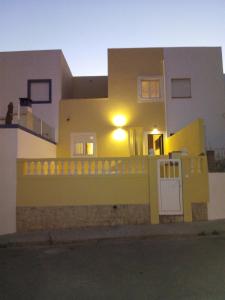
(130, 147)
(119, 122)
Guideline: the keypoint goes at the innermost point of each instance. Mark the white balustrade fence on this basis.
(85, 166)
(196, 165)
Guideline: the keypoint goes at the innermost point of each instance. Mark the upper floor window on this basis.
(150, 89)
(39, 90)
(181, 87)
(83, 144)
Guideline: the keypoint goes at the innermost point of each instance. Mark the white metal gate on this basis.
(170, 187)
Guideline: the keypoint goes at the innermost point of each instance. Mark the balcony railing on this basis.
(191, 165)
(31, 122)
(84, 166)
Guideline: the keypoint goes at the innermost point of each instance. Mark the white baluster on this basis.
(169, 164)
(48, 168)
(89, 167)
(116, 167)
(35, 168)
(103, 167)
(136, 166)
(70, 167)
(28, 168)
(96, 171)
(199, 165)
(192, 166)
(174, 170)
(57, 167)
(82, 167)
(123, 167)
(63, 168)
(75, 168)
(106, 166)
(110, 167)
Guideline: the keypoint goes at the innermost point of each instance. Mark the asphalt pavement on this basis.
(166, 268)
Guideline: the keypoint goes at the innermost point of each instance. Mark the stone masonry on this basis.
(59, 217)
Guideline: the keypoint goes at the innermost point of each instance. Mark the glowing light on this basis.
(119, 120)
(155, 130)
(119, 134)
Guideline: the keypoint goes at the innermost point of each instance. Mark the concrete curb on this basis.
(96, 234)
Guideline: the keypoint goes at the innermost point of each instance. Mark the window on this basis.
(83, 144)
(181, 88)
(150, 89)
(39, 90)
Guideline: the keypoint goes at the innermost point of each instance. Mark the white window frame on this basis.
(82, 137)
(151, 99)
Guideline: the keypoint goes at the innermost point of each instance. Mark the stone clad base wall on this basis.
(165, 219)
(59, 217)
(199, 212)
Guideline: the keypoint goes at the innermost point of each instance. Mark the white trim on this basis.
(149, 78)
(83, 137)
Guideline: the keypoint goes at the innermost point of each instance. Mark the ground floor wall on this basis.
(216, 206)
(51, 217)
(16, 143)
(76, 193)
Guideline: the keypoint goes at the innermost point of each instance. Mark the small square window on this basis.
(39, 90)
(83, 144)
(149, 89)
(181, 88)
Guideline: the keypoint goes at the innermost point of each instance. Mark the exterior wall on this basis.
(66, 79)
(195, 185)
(126, 65)
(49, 195)
(216, 206)
(90, 87)
(64, 190)
(190, 138)
(204, 67)
(8, 149)
(17, 67)
(15, 143)
(31, 146)
(39, 218)
(92, 115)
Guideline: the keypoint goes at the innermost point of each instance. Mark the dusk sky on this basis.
(84, 30)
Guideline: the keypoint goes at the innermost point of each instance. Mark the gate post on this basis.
(153, 189)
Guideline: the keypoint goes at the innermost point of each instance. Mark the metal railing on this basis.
(29, 121)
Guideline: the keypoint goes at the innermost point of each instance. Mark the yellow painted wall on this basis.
(95, 115)
(82, 190)
(153, 189)
(190, 138)
(195, 184)
(58, 190)
(126, 65)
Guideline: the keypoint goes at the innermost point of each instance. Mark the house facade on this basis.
(125, 148)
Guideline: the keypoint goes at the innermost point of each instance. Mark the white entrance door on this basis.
(170, 187)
